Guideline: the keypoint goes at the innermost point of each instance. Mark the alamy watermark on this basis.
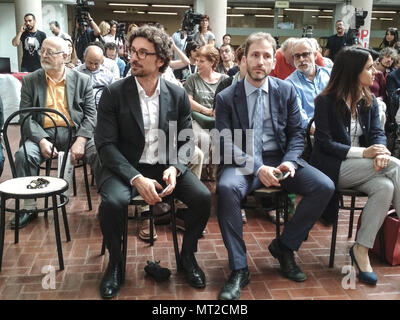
(349, 280)
(228, 146)
(49, 280)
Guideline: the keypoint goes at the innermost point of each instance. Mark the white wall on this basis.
(7, 33)
(54, 11)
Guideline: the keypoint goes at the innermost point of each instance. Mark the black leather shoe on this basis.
(193, 274)
(111, 282)
(289, 268)
(236, 282)
(24, 218)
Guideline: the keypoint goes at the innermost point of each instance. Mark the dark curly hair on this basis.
(161, 40)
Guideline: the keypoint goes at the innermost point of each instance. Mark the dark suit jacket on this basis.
(119, 135)
(79, 99)
(232, 113)
(332, 138)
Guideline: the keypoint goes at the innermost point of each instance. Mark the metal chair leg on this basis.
(2, 227)
(175, 235)
(333, 242)
(57, 232)
(352, 209)
(124, 244)
(85, 175)
(16, 234)
(65, 219)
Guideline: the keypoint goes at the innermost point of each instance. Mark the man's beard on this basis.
(29, 28)
(256, 77)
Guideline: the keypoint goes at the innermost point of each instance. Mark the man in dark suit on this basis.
(68, 91)
(268, 106)
(139, 120)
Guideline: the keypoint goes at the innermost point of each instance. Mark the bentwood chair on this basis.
(353, 194)
(34, 187)
(139, 201)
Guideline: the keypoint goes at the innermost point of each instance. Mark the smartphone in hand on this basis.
(162, 193)
(282, 176)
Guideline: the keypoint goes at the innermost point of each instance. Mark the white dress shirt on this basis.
(150, 111)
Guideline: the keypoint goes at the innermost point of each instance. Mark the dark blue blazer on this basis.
(332, 137)
(232, 113)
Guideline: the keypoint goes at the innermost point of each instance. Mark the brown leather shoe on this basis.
(161, 208)
(144, 230)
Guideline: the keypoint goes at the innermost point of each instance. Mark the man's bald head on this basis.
(93, 57)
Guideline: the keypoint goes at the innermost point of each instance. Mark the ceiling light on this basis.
(250, 8)
(128, 4)
(384, 12)
(264, 15)
(169, 6)
(235, 15)
(163, 13)
(325, 17)
(304, 10)
(119, 11)
(386, 19)
(327, 10)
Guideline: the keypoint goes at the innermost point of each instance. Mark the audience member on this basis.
(284, 64)
(226, 39)
(84, 35)
(31, 39)
(191, 52)
(112, 35)
(337, 41)
(68, 91)
(127, 142)
(111, 52)
(227, 57)
(72, 60)
(386, 61)
(258, 102)
(391, 39)
(108, 63)
(55, 29)
(104, 28)
(95, 69)
(204, 36)
(309, 79)
(350, 149)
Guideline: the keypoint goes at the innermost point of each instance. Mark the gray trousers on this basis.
(382, 188)
(29, 166)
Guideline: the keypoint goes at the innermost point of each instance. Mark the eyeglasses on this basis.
(304, 55)
(50, 53)
(141, 54)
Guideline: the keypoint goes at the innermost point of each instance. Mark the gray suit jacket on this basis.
(79, 98)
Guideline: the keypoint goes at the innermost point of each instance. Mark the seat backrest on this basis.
(98, 91)
(25, 116)
(308, 135)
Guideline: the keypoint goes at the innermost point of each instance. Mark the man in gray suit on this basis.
(68, 91)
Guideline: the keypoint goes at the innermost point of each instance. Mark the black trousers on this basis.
(116, 196)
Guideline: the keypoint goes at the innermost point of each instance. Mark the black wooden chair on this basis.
(353, 194)
(139, 201)
(34, 187)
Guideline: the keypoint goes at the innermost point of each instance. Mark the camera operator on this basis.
(85, 34)
(179, 38)
(31, 39)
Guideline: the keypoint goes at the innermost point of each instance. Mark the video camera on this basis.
(307, 32)
(353, 33)
(82, 9)
(190, 20)
(121, 27)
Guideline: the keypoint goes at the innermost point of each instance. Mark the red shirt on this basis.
(283, 69)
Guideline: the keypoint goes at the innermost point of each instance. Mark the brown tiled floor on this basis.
(21, 276)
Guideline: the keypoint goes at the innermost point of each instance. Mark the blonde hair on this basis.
(104, 28)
